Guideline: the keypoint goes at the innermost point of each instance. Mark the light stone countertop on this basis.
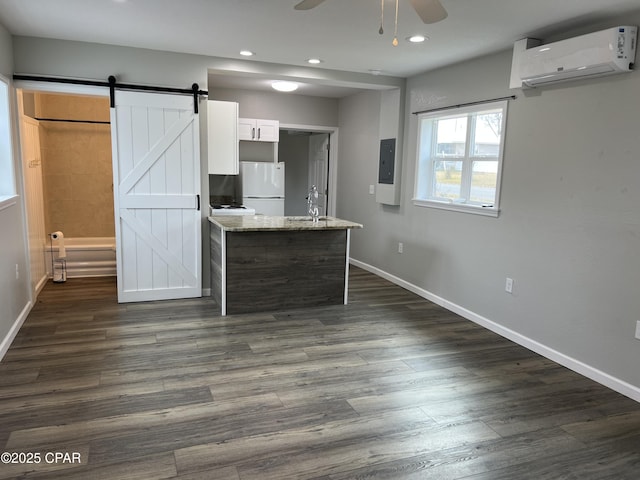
(252, 223)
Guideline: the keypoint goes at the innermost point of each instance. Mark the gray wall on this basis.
(6, 52)
(569, 228)
(64, 58)
(14, 293)
(289, 109)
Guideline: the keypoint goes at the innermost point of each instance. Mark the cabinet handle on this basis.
(253, 133)
(258, 134)
(198, 202)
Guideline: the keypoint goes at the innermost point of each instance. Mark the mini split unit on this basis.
(597, 54)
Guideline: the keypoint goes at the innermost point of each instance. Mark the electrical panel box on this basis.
(389, 164)
(387, 161)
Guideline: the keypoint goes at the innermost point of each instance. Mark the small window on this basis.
(7, 183)
(460, 158)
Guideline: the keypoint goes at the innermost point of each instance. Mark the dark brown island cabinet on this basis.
(266, 263)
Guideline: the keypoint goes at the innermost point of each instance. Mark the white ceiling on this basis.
(343, 33)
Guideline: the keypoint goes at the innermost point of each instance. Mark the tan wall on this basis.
(77, 169)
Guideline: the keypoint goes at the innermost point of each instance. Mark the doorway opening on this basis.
(68, 180)
(155, 185)
(311, 158)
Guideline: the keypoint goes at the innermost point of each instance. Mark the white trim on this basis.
(223, 272)
(15, 328)
(457, 207)
(582, 368)
(70, 88)
(7, 201)
(346, 267)
(40, 285)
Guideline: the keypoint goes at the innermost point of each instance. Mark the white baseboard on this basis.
(582, 368)
(40, 285)
(6, 342)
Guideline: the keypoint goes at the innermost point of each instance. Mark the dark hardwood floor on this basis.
(388, 387)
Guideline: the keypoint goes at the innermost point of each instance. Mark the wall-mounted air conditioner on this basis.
(595, 54)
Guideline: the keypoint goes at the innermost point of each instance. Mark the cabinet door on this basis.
(267, 130)
(246, 129)
(223, 137)
(255, 130)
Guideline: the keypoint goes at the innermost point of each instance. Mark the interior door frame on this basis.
(333, 158)
(314, 173)
(50, 87)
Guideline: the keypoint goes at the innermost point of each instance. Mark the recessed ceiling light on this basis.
(417, 38)
(284, 86)
(375, 71)
(314, 61)
(247, 53)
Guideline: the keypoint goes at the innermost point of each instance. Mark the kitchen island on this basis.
(265, 263)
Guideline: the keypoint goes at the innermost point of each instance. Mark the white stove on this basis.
(230, 210)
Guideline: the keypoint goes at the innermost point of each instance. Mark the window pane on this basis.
(459, 158)
(484, 177)
(6, 159)
(487, 134)
(447, 179)
(451, 137)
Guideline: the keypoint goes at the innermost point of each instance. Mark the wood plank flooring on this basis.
(388, 387)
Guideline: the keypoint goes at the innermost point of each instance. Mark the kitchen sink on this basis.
(306, 219)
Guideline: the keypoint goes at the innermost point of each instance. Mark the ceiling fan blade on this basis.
(430, 11)
(308, 4)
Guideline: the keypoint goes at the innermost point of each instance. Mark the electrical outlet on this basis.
(638, 330)
(508, 285)
(400, 247)
(372, 189)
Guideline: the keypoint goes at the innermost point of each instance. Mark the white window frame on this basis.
(424, 181)
(8, 193)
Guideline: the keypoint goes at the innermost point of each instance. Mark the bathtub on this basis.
(86, 257)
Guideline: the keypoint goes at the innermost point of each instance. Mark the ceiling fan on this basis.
(430, 11)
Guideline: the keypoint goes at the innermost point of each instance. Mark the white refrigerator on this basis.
(263, 187)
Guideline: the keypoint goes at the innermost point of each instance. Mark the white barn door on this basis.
(156, 151)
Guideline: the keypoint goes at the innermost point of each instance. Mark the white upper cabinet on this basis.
(257, 130)
(222, 118)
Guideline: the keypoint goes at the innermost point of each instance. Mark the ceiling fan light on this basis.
(282, 86)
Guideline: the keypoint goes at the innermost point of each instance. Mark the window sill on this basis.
(458, 207)
(7, 201)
